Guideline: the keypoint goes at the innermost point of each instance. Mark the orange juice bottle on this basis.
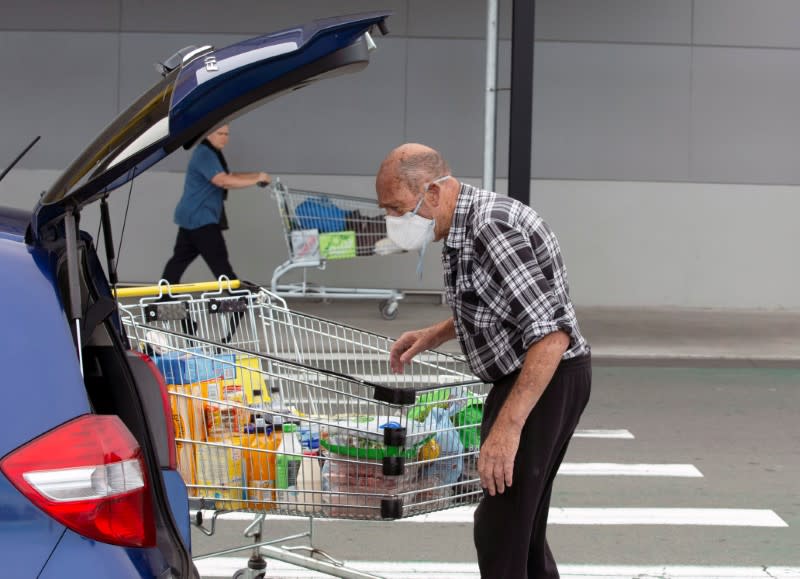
(259, 464)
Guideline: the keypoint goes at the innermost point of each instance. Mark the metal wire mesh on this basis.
(284, 412)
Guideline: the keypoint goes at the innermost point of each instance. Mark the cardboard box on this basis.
(194, 366)
(247, 374)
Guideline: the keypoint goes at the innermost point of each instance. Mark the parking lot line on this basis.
(617, 469)
(226, 566)
(585, 516)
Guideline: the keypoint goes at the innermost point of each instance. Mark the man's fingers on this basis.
(397, 355)
(509, 473)
(496, 470)
(394, 360)
(499, 478)
(410, 352)
(403, 351)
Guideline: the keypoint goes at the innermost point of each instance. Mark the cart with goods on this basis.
(323, 227)
(282, 413)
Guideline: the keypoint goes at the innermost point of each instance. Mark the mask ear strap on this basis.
(419, 204)
(420, 261)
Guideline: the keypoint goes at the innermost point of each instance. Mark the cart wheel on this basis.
(246, 574)
(388, 309)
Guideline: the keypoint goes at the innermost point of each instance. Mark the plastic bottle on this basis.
(309, 478)
(260, 467)
(288, 461)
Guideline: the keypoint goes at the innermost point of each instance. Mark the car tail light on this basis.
(89, 475)
(159, 378)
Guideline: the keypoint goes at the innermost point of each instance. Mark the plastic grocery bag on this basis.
(450, 463)
(320, 213)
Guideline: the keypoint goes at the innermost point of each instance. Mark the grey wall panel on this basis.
(670, 244)
(766, 23)
(744, 122)
(455, 18)
(610, 111)
(445, 100)
(62, 86)
(75, 15)
(645, 21)
(250, 17)
(341, 125)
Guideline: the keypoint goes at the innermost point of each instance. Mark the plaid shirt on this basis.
(506, 283)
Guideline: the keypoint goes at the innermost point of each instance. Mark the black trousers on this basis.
(510, 528)
(207, 242)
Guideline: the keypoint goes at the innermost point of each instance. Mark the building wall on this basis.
(664, 149)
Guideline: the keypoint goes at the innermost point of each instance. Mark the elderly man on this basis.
(506, 284)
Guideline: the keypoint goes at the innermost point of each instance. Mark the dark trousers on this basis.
(510, 528)
(207, 242)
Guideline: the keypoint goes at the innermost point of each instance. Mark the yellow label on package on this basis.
(337, 245)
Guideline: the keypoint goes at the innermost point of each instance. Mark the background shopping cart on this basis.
(323, 227)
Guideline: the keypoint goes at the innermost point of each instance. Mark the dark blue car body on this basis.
(63, 353)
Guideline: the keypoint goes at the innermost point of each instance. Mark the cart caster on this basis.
(246, 574)
(256, 569)
(388, 309)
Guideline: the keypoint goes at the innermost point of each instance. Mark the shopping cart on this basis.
(321, 227)
(283, 413)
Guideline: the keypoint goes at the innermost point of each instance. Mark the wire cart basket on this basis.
(282, 413)
(321, 227)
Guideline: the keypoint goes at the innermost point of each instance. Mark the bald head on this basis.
(411, 165)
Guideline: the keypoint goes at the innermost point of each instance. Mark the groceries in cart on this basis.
(297, 415)
(365, 225)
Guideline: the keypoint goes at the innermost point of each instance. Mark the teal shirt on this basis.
(201, 202)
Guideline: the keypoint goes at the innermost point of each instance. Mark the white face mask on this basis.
(411, 231)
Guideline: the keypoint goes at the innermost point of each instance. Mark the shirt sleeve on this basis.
(508, 257)
(206, 163)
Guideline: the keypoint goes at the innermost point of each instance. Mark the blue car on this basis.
(89, 486)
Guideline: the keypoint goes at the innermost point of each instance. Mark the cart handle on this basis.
(156, 290)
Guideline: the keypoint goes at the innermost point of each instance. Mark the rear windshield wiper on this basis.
(22, 154)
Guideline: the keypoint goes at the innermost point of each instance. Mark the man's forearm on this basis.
(540, 364)
(443, 332)
(236, 180)
(248, 176)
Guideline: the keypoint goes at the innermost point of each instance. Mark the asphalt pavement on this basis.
(685, 464)
(620, 336)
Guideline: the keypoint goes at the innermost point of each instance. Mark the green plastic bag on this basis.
(468, 423)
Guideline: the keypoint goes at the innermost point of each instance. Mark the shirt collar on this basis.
(458, 228)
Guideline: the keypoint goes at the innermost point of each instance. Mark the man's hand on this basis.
(496, 458)
(408, 345)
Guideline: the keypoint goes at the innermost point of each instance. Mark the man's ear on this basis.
(433, 195)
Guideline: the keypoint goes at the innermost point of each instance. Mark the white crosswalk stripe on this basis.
(226, 566)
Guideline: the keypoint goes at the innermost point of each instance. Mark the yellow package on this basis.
(191, 425)
(249, 376)
(184, 451)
